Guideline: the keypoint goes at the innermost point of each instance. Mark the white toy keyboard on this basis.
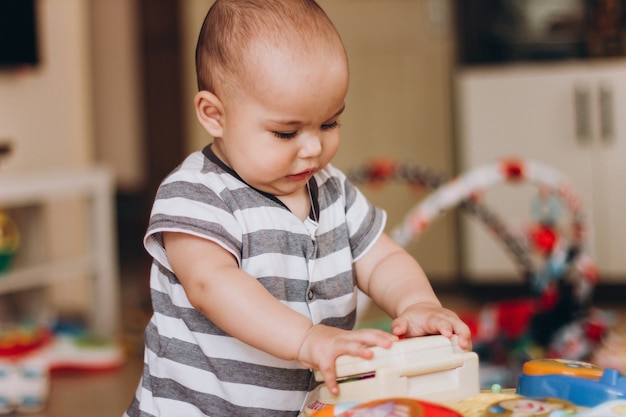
(431, 368)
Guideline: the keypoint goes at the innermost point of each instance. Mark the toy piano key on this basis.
(432, 368)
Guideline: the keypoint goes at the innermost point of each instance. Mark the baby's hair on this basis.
(231, 27)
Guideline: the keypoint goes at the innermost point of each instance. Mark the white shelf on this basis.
(39, 275)
(99, 260)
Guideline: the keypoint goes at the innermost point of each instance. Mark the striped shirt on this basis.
(194, 368)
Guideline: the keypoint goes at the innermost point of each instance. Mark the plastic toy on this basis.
(551, 407)
(82, 354)
(476, 405)
(17, 341)
(431, 368)
(527, 407)
(579, 382)
(24, 387)
(26, 366)
(390, 407)
(568, 254)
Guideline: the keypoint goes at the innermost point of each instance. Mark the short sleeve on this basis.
(190, 203)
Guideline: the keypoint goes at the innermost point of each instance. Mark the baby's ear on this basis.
(210, 112)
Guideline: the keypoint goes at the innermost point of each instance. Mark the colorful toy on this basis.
(83, 353)
(389, 407)
(17, 341)
(431, 368)
(579, 382)
(521, 407)
(471, 184)
(29, 357)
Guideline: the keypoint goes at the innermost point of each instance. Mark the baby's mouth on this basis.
(301, 175)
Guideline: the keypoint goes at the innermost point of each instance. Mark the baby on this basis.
(259, 244)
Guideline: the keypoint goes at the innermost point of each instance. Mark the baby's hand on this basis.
(323, 344)
(422, 319)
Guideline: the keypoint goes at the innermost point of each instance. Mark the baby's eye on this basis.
(285, 135)
(329, 126)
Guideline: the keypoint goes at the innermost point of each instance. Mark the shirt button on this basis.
(310, 295)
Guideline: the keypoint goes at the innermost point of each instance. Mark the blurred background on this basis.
(96, 107)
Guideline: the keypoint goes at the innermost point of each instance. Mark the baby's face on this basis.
(280, 125)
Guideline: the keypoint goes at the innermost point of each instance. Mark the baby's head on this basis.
(272, 79)
(236, 34)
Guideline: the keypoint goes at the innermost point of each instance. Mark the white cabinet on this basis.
(25, 195)
(567, 115)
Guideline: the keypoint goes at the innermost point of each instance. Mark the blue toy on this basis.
(581, 383)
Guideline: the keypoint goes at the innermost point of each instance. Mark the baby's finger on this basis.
(400, 327)
(464, 335)
(330, 377)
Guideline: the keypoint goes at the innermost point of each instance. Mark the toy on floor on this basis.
(554, 318)
(579, 382)
(432, 368)
(23, 387)
(59, 350)
(83, 353)
(20, 340)
(29, 354)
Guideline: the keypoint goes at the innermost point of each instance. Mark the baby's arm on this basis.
(241, 306)
(397, 284)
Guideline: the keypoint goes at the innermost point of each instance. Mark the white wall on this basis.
(46, 111)
(117, 105)
(192, 14)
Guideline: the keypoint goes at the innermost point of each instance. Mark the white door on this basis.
(608, 81)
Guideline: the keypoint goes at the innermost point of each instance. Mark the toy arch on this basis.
(463, 191)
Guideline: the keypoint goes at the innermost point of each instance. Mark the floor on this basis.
(108, 393)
